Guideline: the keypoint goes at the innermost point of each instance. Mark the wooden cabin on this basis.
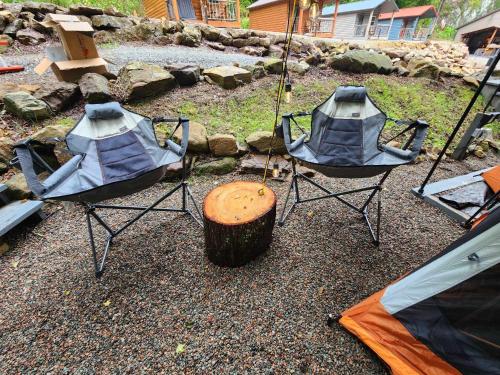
(405, 24)
(357, 20)
(218, 13)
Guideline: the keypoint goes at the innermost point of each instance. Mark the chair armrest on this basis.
(26, 161)
(63, 172)
(417, 139)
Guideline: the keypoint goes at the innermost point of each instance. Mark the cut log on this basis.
(239, 221)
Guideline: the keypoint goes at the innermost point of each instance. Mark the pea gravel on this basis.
(160, 291)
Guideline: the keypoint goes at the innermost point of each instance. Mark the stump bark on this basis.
(239, 221)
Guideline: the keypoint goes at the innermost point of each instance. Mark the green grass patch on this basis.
(125, 6)
(440, 105)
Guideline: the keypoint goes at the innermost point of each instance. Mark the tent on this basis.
(443, 317)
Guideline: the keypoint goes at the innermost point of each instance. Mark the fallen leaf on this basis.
(310, 214)
(181, 348)
(321, 290)
(66, 292)
(15, 264)
(107, 303)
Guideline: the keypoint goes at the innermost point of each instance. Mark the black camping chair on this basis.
(345, 143)
(115, 154)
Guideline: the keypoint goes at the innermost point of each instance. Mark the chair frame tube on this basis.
(90, 212)
(376, 191)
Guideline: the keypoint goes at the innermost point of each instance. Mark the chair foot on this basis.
(98, 274)
(376, 243)
(331, 320)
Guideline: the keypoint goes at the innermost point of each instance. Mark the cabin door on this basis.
(186, 10)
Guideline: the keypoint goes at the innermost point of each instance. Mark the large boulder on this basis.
(6, 149)
(112, 11)
(185, 74)
(30, 37)
(216, 167)
(17, 187)
(223, 145)
(198, 141)
(210, 33)
(59, 96)
(261, 142)
(239, 33)
(51, 134)
(85, 10)
(216, 45)
(225, 38)
(146, 30)
(95, 88)
(26, 106)
(190, 37)
(300, 68)
(228, 77)
(431, 71)
(361, 61)
(8, 87)
(35, 7)
(257, 71)
(104, 21)
(427, 70)
(273, 66)
(253, 51)
(13, 27)
(143, 80)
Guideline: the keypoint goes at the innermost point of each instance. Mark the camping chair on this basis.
(115, 154)
(345, 143)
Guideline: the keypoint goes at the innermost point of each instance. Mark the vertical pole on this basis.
(334, 23)
(300, 27)
(367, 32)
(184, 192)
(295, 181)
(176, 10)
(390, 25)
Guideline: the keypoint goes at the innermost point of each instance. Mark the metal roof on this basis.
(359, 6)
(424, 11)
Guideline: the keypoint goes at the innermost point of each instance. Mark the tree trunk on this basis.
(239, 220)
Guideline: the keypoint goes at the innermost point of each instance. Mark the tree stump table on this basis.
(239, 220)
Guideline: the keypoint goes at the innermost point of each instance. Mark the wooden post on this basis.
(300, 26)
(239, 219)
(176, 10)
(390, 25)
(334, 23)
(367, 32)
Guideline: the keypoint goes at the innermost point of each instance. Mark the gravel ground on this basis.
(159, 290)
(119, 55)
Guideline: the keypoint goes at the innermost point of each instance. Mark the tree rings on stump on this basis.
(239, 220)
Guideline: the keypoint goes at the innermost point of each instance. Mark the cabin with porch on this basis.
(218, 13)
(350, 21)
(358, 20)
(407, 23)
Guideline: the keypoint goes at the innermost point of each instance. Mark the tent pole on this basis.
(460, 122)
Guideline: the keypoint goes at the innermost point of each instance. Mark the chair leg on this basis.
(294, 185)
(375, 233)
(98, 263)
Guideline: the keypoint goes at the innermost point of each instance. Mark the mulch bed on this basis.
(159, 290)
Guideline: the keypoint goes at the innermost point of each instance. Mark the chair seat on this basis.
(381, 163)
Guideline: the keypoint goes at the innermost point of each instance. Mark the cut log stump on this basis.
(239, 220)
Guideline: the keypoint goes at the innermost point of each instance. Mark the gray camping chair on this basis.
(345, 143)
(115, 154)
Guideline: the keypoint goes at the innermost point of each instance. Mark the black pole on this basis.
(460, 122)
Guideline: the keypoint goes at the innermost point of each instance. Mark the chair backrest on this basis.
(120, 143)
(346, 127)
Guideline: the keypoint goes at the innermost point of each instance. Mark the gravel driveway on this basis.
(119, 55)
(159, 290)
